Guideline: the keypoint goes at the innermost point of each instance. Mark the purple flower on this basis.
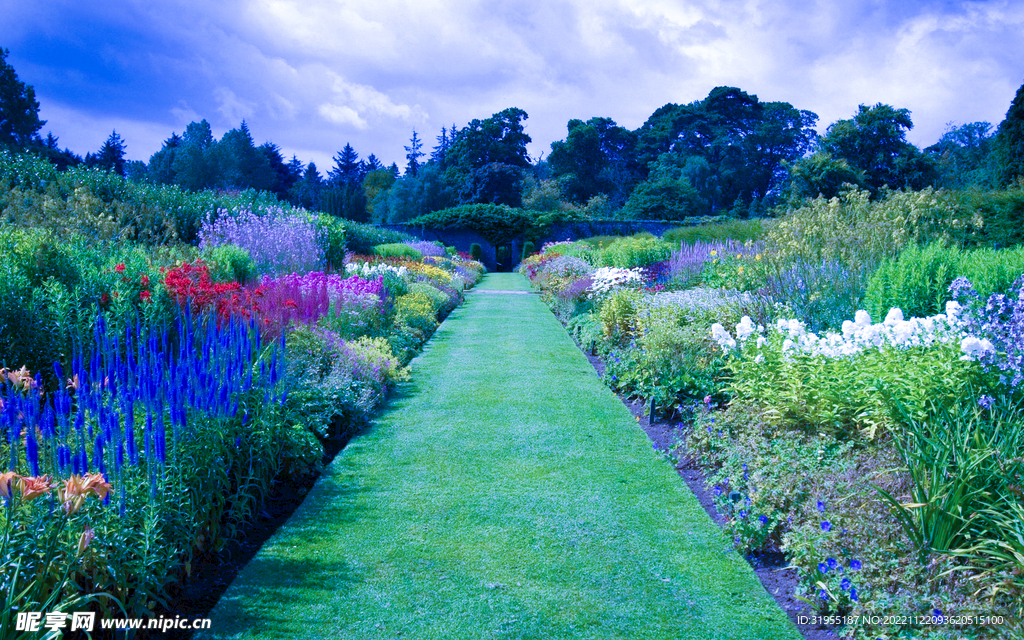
(986, 402)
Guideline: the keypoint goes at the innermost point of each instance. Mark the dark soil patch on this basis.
(779, 580)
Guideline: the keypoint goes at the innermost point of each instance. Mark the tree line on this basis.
(729, 153)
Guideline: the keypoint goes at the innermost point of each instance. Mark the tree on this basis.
(376, 184)
(161, 163)
(742, 143)
(306, 191)
(961, 155)
(19, 109)
(667, 194)
(284, 175)
(48, 149)
(110, 157)
(194, 163)
(241, 165)
(822, 174)
(371, 164)
(413, 154)
(1009, 143)
(347, 168)
(874, 142)
(597, 156)
(497, 143)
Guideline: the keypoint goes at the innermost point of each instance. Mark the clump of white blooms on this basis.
(699, 298)
(607, 278)
(861, 334)
(367, 271)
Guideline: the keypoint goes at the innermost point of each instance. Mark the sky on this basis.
(311, 76)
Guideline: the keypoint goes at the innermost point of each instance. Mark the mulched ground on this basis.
(779, 580)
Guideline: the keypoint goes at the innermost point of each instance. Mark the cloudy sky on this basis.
(313, 75)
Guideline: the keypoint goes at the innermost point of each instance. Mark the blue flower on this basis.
(822, 567)
(718, 491)
(826, 526)
(846, 584)
(712, 421)
(743, 513)
(986, 402)
(832, 564)
(821, 506)
(822, 594)
(853, 594)
(937, 613)
(763, 519)
(855, 565)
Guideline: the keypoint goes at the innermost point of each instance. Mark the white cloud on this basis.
(341, 114)
(231, 106)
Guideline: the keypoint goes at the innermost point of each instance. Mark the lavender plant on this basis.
(278, 243)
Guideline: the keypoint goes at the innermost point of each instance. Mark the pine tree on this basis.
(372, 164)
(346, 167)
(413, 154)
(110, 157)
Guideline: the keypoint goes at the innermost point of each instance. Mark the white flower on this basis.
(974, 348)
(895, 315)
(745, 328)
(953, 309)
(722, 337)
(862, 319)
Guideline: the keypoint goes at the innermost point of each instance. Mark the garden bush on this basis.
(230, 263)
(736, 230)
(918, 280)
(632, 252)
(397, 250)
(362, 238)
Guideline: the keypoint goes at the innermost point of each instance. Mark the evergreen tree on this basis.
(306, 191)
(413, 154)
(372, 164)
(346, 169)
(110, 157)
(161, 163)
(441, 148)
(48, 149)
(194, 164)
(19, 110)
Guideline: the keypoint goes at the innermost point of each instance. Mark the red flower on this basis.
(144, 281)
(145, 296)
(119, 268)
(105, 299)
(291, 303)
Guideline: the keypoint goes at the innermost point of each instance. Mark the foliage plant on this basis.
(398, 250)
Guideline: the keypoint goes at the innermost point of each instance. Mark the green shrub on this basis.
(738, 230)
(497, 223)
(437, 298)
(476, 252)
(528, 249)
(362, 238)
(918, 280)
(331, 231)
(397, 250)
(634, 251)
(999, 214)
(230, 263)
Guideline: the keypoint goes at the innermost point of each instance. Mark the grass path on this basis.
(504, 493)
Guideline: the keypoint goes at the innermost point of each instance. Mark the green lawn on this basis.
(504, 493)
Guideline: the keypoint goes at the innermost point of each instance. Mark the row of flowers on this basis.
(906, 427)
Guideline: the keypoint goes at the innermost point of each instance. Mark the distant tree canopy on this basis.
(873, 145)
(110, 157)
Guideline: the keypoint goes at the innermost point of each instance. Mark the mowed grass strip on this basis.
(504, 493)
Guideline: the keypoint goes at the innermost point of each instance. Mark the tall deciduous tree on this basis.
(19, 109)
(1010, 141)
(487, 158)
(874, 142)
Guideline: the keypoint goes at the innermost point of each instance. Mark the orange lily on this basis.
(7, 478)
(33, 487)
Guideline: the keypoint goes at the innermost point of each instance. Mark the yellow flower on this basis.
(714, 252)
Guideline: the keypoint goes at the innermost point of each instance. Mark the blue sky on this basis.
(313, 75)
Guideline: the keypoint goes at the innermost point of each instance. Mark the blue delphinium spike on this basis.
(98, 456)
(31, 449)
(161, 439)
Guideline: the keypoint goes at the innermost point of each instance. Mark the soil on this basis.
(779, 580)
